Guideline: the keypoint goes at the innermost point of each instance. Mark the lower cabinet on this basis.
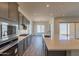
(26, 44)
(56, 53)
(23, 45)
(28, 41)
(20, 48)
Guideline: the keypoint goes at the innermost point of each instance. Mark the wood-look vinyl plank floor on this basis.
(36, 47)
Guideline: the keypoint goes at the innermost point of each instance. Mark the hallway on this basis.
(36, 47)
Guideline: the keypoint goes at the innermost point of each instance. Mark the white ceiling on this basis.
(37, 11)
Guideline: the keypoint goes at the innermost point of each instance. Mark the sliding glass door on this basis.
(68, 31)
(77, 30)
(72, 31)
(63, 31)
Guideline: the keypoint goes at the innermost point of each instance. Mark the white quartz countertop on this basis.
(61, 44)
(22, 37)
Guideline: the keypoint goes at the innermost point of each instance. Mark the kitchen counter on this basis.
(61, 44)
(57, 46)
(21, 38)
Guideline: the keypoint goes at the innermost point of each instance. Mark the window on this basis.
(63, 31)
(40, 28)
(68, 31)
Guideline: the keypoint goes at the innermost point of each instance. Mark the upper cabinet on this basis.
(9, 11)
(4, 10)
(13, 11)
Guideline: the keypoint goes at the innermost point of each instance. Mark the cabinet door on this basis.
(29, 40)
(13, 11)
(26, 44)
(4, 10)
(20, 48)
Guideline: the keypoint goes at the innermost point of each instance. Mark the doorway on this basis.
(40, 29)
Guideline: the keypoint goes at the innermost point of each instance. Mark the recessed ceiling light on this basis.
(47, 5)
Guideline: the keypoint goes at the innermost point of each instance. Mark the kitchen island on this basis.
(56, 47)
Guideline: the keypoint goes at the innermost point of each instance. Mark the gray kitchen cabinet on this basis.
(23, 45)
(20, 48)
(29, 40)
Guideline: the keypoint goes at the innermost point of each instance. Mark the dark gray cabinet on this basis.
(29, 41)
(23, 45)
(4, 10)
(20, 48)
(56, 53)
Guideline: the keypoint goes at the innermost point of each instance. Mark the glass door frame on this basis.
(66, 30)
(75, 27)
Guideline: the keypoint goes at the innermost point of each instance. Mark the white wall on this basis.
(56, 29)
(52, 25)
